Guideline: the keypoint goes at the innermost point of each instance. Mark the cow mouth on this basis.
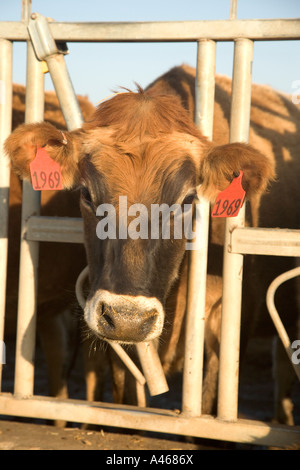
(119, 318)
(122, 318)
(147, 351)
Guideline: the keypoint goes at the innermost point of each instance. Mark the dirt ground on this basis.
(27, 436)
(255, 402)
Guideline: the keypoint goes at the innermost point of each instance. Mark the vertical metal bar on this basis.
(64, 91)
(27, 300)
(5, 129)
(233, 263)
(233, 9)
(194, 343)
(205, 86)
(25, 9)
(241, 91)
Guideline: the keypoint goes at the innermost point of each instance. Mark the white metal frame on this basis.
(238, 240)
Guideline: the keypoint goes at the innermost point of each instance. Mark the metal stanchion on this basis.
(233, 263)
(27, 299)
(194, 342)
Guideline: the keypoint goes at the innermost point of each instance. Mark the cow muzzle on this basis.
(124, 318)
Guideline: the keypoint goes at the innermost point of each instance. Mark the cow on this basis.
(144, 146)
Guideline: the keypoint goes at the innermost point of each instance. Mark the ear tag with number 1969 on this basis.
(45, 172)
(229, 201)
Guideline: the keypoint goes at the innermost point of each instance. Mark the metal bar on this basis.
(5, 129)
(276, 318)
(44, 43)
(246, 240)
(265, 241)
(194, 343)
(54, 229)
(241, 91)
(26, 326)
(25, 9)
(233, 263)
(162, 31)
(64, 91)
(233, 9)
(151, 419)
(205, 87)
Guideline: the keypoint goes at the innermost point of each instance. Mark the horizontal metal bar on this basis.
(150, 419)
(265, 241)
(55, 229)
(259, 241)
(220, 30)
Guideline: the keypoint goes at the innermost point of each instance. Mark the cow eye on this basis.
(86, 196)
(189, 199)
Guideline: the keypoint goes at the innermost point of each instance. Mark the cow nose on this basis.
(128, 325)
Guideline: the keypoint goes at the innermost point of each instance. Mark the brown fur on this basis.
(135, 138)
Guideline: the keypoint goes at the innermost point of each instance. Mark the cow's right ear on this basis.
(63, 147)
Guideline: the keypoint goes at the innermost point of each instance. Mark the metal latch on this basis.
(42, 39)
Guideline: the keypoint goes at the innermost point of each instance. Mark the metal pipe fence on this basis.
(238, 240)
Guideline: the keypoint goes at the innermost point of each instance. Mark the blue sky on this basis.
(96, 69)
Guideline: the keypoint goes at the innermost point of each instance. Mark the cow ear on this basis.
(63, 147)
(221, 163)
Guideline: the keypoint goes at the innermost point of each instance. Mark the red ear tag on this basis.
(229, 201)
(45, 172)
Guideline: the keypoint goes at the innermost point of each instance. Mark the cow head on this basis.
(137, 153)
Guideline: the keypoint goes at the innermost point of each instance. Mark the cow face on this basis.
(133, 254)
(139, 154)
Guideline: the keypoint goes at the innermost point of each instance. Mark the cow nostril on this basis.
(108, 320)
(148, 324)
(105, 319)
(124, 324)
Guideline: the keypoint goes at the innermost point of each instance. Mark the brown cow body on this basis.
(145, 146)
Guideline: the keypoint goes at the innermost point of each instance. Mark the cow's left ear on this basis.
(221, 163)
(63, 147)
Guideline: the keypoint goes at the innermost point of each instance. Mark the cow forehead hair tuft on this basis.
(142, 114)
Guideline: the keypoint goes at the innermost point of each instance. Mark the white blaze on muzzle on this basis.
(124, 318)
